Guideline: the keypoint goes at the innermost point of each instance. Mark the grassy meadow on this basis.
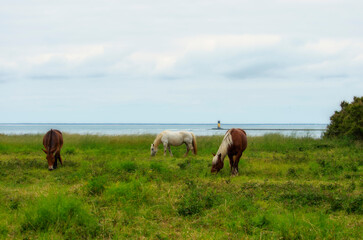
(110, 188)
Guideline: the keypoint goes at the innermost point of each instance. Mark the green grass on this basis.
(110, 187)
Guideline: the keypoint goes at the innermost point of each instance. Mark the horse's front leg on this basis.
(55, 161)
(165, 147)
(235, 164)
(171, 154)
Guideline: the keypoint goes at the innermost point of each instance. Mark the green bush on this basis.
(348, 122)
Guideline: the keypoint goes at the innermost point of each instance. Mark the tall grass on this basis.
(60, 214)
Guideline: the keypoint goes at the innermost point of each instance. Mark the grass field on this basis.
(110, 188)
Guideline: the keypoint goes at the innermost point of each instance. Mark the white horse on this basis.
(169, 138)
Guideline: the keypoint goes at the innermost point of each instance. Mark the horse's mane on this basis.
(227, 141)
(157, 140)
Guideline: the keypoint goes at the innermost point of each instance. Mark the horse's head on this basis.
(217, 163)
(50, 158)
(153, 150)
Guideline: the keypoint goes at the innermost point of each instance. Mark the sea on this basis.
(295, 130)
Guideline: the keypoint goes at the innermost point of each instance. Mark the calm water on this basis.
(299, 130)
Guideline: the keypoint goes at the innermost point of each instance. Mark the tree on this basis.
(348, 122)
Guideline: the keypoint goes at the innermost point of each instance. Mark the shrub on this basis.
(348, 122)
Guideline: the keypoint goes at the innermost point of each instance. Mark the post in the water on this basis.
(219, 125)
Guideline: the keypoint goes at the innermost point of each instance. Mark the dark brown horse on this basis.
(53, 142)
(233, 145)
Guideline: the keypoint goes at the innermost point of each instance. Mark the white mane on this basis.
(223, 148)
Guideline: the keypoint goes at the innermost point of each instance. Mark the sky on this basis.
(199, 61)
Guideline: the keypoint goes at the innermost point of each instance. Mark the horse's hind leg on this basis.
(188, 148)
(231, 162)
(236, 159)
(60, 159)
(191, 148)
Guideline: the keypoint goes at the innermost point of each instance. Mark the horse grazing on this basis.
(169, 138)
(53, 142)
(233, 145)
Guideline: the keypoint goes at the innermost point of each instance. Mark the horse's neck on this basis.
(223, 152)
(223, 148)
(157, 140)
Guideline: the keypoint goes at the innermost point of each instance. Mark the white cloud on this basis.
(328, 46)
(72, 54)
(212, 42)
(160, 61)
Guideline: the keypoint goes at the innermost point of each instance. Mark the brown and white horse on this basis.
(53, 142)
(233, 145)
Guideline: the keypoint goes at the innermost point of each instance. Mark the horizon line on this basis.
(105, 123)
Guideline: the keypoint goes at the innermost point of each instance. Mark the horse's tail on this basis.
(194, 144)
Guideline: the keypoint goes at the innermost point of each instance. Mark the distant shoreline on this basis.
(257, 124)
(314, 130)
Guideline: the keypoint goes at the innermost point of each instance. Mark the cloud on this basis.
(328, 46)
(237, 42)
(71, 54)
(202, 56)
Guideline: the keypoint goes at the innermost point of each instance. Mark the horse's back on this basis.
(60, 137)
(239, 138)
(178, 137)
(53, 137)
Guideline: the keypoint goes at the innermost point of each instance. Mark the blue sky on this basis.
(275, 61)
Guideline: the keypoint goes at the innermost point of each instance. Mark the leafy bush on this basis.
(348, 122)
